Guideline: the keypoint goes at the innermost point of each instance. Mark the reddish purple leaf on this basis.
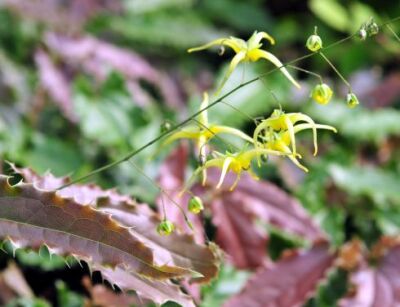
(142, 222)
(287, 283)
(245, 245)
(55, 83)
(98, 58)
(63, 15)
(156, 291)
(270, 204)
(378, 286)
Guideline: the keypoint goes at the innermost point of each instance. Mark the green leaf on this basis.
(150, 30)
(359, 123)
(228, 283)
(332, 13)
(67, 298)
(27, 302)
(378, 184)
(52, 154)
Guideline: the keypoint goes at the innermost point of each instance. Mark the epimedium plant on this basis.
(136, 250)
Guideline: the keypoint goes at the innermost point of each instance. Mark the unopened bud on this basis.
(362, 34)
(352, 100)
(372, 28)
(196, 205)
(322, 93)
(165, 228)
(314, 43)
(165, 126)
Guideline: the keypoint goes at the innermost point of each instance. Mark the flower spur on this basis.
(246, 51)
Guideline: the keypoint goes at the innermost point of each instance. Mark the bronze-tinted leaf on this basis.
(287, 283)
(156, 291)
(177, 249)
(34, 217)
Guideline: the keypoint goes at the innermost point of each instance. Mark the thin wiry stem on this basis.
(307, 72)
(163, 192)
(393, 32)
(193, 116)
(336, 70)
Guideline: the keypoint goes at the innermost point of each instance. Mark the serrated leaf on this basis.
(288, 282)
(177, 249)
(34, 217)
(156, 291)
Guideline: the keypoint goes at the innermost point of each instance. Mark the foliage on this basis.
(84, 82)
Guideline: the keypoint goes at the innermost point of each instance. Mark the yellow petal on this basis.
(302, 117)
(230, 42)
(274, 60)
(203, 117)
(235, 61)
(224, 171)
(290, 129)
(202, 143)
(233, 186)
(194, 133)
(260, 35)
(229, 130)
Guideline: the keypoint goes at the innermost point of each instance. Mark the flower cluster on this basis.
(275, 135)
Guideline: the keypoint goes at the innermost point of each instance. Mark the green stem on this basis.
(336, 71)
(393, 32)
(307, 72)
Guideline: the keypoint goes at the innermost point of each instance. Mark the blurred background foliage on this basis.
(83, 82)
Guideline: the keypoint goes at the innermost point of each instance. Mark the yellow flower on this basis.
(278, 133)
(246, 51)
(203, 132)
(235, 162)
(280, 141)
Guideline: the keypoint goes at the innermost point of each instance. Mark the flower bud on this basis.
(362, 34)
(352, 100)
(195, 205)
(372, 28)
(165, 228)
(322, 93)
(165, 126)
(314, 43)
